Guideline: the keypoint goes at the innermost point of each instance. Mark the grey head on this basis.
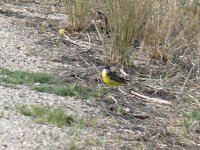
(106, 69)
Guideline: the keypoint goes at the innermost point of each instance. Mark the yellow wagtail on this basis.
(111, 78)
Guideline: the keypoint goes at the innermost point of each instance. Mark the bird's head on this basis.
(106, 69)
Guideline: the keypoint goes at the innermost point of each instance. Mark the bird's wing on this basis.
(113, 76)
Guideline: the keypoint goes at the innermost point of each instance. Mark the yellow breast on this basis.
(108, 81)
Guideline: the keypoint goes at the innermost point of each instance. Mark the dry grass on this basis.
(121, 17)
(171, 29)
(79, 14)
(165, 30)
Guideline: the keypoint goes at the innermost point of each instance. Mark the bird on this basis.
(110, 78)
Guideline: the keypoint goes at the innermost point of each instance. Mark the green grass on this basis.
(191, 117)
(73, 146)
(22, 77)
(41, 114)
(189, 98)
(62, 90)
(48, 83)
(67, 90)
(92, 141)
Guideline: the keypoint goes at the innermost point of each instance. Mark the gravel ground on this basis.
(16, 42)
(21, 132)
(18, 131)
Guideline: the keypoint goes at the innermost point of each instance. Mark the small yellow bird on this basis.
(111, 78)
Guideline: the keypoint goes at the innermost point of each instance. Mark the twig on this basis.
(85, 61)
(187, 78)
(145, 98)
(114, 99)
(79, 78)
(123, 72)
(89, 64)
(94, 22)
(152, 100)
(71, 41)
(81, 43)
(88, 38)
(100, 36)
(147, 79)
(140, 116)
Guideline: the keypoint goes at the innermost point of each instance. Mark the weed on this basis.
(188, 98)
(74, 133)
(55, 116)
(104, 91)
(119, 110)
(83, 122)
(117, 138)
(88, 122)
(24, 110)
(73, 146)
(190, 118)
(109, 101)
(92, 141)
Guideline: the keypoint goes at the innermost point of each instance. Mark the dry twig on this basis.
(81, 43)
(145, 98)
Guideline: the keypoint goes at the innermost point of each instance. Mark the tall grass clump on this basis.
(125, 18)
(78, 12)
(172, 31)
(166, 30)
